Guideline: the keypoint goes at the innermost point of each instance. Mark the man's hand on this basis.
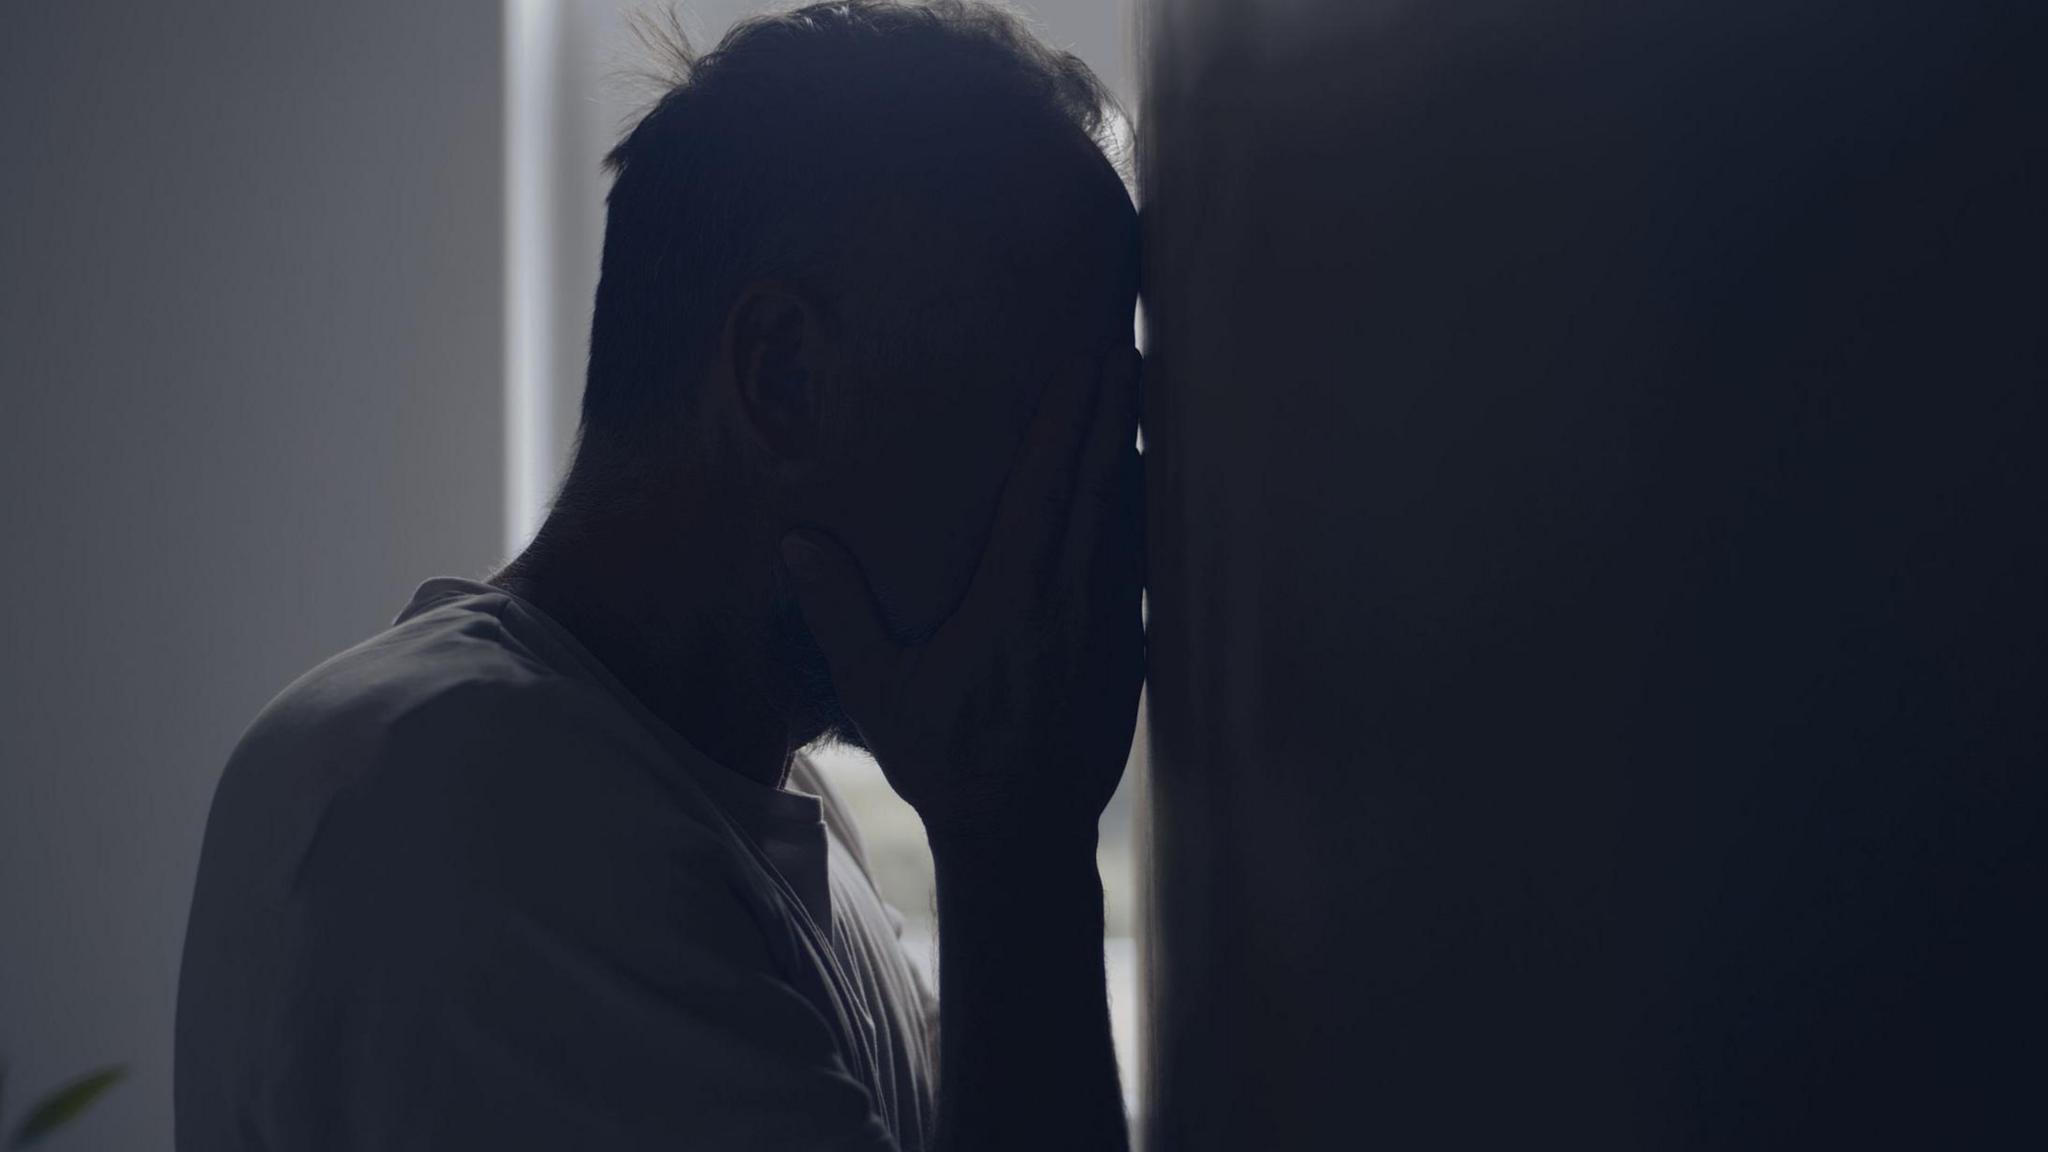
(1007, 732)
(1017, 714)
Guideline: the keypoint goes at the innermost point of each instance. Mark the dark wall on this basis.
(250, 302)
(1599, 586)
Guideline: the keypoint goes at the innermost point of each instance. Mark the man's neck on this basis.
(672, 616)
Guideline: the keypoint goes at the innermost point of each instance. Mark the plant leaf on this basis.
(62, 1106)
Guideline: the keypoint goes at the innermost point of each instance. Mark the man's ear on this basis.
(780, 358)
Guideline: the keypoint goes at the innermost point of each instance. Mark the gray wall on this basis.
(249, 395)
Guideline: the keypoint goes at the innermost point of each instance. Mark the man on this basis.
(542, 865)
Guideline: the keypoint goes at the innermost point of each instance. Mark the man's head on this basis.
(843, 254)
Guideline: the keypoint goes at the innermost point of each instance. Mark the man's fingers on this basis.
(1105, 478)
(1032, 517)
(839, 608)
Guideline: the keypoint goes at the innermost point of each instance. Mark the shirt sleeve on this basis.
(509, 935)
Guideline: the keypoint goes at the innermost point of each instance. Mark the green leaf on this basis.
(62, 1106)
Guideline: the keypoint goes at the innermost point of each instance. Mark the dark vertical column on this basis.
(1599, 598)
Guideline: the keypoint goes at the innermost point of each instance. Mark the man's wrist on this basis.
(1021, 987)
(982, 845)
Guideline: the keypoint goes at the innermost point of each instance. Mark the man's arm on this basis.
(1025, 1054)
(1007, 732)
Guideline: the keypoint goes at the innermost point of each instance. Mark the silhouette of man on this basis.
(543, 865)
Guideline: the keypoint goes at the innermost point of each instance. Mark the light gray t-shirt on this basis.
(460, 890)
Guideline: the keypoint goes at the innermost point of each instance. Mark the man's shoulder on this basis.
(445, 731)
(453, 670)
(434, 810)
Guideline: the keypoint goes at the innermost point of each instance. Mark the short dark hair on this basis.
(833, 147)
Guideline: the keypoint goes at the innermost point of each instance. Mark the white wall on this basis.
(249, 381)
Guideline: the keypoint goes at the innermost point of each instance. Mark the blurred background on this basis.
(293, 306)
